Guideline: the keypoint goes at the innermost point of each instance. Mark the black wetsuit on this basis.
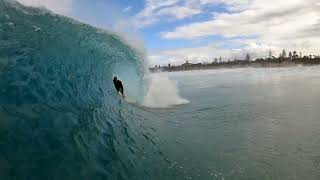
(118, 85)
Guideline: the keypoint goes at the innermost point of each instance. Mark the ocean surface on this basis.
(61, 118)
(244, 124)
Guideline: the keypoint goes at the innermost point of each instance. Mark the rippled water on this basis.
(244, 124)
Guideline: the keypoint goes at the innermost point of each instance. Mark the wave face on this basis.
(60, 116)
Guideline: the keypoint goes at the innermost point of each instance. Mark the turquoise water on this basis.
(60, 117)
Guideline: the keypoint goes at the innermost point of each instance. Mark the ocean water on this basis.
(60, 117)
(244, 124)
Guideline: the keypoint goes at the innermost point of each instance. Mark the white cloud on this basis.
(162, 10)
(231, 4)
(259, 18)
(58, 6)
(148, 15)
(178, 12)
(195, 55)
(279, 24)
(209, 52)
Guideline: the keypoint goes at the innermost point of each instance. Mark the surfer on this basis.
(118, 85)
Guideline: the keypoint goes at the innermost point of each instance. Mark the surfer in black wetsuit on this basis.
(118, 84)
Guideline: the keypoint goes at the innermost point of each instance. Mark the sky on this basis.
(173, 31)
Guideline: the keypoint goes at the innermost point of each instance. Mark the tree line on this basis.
(284, 59)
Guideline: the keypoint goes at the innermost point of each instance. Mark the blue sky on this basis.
(98, 12)
(173, 31)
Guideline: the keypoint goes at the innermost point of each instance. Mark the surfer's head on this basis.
(115, 78)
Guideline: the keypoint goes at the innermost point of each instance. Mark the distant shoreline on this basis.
(259, 63)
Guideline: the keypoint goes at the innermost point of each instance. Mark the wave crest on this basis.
(60, 116)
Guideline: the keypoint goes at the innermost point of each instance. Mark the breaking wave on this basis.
(60, 116)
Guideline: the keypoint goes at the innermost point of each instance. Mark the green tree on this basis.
(284, 53)
(248, 58)
(290, 55)
(295, 55)
(270, 54)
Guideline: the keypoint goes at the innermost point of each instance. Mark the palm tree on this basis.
(248, 58)
(284, 53)
(295, 54)
(270, 54)
(290, 55)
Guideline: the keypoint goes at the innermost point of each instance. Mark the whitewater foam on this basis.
(162, 92)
